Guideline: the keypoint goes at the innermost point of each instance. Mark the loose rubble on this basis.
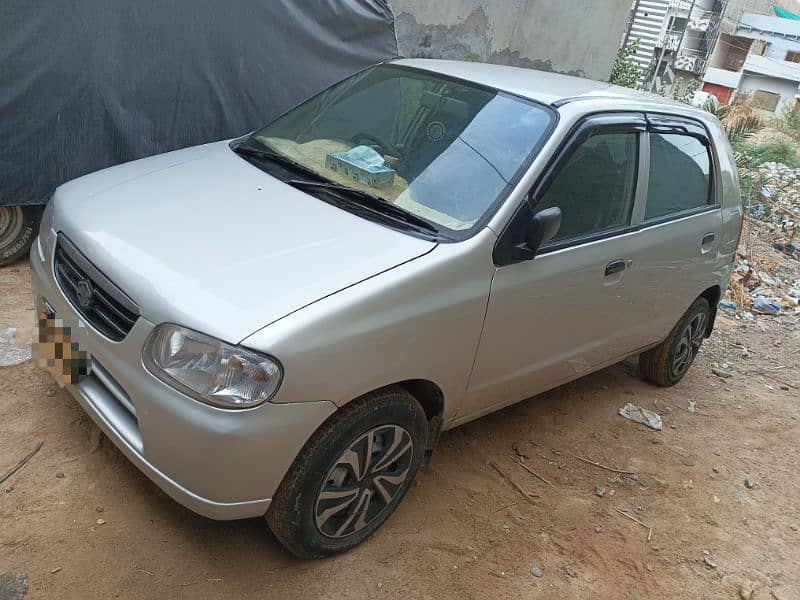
(759, 285)
(10, 353)
(13, 585)
(780, 194)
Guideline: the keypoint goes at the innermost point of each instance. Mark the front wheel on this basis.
(667, 363)
(350, 476)
(18, 227)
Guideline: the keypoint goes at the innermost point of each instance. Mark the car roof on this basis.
(542, 86)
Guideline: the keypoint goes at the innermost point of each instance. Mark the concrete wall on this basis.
(777, 49)
(730, 50)
(787, 89)
(735, 8)
(577, 37)
(779, 35)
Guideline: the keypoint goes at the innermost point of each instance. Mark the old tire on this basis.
(667, 363)
(350, 476)
(18, 228)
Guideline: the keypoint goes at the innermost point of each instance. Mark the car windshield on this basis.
(441, 149)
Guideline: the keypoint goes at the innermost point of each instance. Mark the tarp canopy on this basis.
(86, 85)
(782, 12)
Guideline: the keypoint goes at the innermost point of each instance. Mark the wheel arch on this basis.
(427, 393)
(431, 399)
(713, 295)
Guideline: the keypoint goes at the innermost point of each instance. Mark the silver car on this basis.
(284, 324)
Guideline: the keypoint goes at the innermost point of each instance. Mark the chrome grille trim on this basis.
(111, 311)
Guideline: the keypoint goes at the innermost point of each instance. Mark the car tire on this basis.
(667, 363)
(18, 228)
(329, 502)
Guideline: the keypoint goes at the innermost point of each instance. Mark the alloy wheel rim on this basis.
(689, 343)
(11, 223)
(364, 481)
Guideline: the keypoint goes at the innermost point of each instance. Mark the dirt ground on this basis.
(463, 531)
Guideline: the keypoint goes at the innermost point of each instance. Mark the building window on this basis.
(793, 57)
(766, 100)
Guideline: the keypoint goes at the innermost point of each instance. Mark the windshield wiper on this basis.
(271, 155)
(367, 200)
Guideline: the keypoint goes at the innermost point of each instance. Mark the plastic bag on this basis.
(765, 306)
(641, 415)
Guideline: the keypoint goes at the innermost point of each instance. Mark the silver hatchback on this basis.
(283, 324)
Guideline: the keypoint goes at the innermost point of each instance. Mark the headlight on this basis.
(44, 242)
(211, 370)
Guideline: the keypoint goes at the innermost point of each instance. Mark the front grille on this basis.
(104, 306)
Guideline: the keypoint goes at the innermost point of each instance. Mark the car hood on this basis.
(202, 238)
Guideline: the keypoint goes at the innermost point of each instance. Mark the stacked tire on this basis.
(18, 228)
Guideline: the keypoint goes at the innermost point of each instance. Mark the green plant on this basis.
(685, 93)
(649, 73)
(625, 71)
(788, 123)
(774, 151)
(742, 119)
(767, 189)
(740, 129)
(713, 106)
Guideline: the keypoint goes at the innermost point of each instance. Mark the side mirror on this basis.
(542, 228)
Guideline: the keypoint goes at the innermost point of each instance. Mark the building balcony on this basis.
(670, 40)
(680, 5)
(694, 62)
(700, 20)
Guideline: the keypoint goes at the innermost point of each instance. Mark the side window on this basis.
(680, 175)
(595, 188)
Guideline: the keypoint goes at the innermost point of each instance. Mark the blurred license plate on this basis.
(58, 349)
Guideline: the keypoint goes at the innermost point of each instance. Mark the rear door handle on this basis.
(707, 245)
(615, 266)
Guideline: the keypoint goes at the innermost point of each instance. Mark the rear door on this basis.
(677, 251)
(562, 314)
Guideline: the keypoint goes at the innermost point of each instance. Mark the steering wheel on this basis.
(372, 140)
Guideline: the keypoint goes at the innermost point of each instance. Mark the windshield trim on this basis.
(447, 234)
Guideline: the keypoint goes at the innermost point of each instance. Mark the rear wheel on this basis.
(350, 476)
(18, 226)
(667, 363)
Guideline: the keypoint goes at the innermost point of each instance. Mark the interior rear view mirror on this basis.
(453, 107)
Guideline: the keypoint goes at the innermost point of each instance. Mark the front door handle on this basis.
(615, 266)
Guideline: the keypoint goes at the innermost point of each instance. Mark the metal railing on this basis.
(680, 5)
(693, 61)
(670, 40)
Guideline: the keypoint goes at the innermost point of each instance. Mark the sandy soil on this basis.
(463, 531)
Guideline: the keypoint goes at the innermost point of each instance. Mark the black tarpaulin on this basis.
(89, 84)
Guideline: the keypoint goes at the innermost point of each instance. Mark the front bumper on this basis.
(223, 464)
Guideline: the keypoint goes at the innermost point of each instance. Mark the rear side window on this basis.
(680, 175)
(595, 188)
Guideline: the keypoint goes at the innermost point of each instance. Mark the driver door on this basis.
(565, 313)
